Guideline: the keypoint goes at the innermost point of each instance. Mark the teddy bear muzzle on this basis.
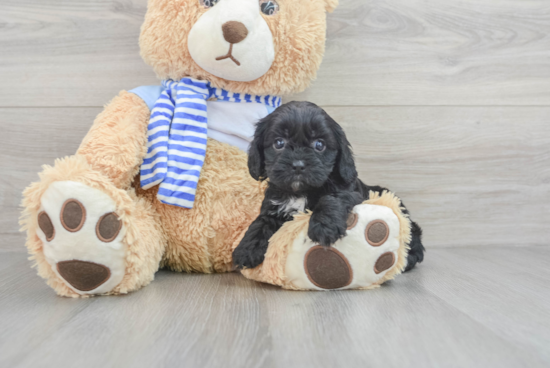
(233, 32)
(232, 40)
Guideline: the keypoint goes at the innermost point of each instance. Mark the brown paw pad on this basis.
(327, 268)
(108, 227)
(73, 215)
(352, 220)
(377, 232)
(384, 263)
(45, 224)
(83, 276)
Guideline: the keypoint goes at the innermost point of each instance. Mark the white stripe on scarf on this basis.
(177, 137)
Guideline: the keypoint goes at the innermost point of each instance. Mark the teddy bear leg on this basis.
(361, 259)
(373, 250)
(87, 236)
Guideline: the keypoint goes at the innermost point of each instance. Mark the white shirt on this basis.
(234, 123)
(228, 122)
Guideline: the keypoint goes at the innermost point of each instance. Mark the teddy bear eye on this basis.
(269, 7)
(208, 3)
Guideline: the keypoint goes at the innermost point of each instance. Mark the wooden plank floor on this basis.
(447, 103)
(379, 52)
(466, 307)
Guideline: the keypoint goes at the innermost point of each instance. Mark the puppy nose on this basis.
(234, 32)
(298, 165)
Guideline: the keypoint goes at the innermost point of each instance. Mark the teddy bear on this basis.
(161, 178)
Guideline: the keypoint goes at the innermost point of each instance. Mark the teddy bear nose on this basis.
(234, 32)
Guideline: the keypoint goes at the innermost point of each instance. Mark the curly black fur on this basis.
(302, 176)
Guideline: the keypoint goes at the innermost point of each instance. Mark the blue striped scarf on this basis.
(177, 133)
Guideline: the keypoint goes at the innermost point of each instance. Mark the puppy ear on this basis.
(330, 5)
(344, 168)
(256, 159)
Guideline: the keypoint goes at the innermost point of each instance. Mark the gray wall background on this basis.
(446, 103)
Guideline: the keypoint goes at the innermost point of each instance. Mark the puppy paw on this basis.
(248, 255)
(326, 230)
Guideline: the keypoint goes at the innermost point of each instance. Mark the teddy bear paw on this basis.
(82, 237)
(359, 260)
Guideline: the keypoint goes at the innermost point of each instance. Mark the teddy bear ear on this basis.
(330, 5)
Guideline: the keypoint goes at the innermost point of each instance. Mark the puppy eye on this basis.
(208, 3)
(269, 7)
(279, 144)
(319, 145)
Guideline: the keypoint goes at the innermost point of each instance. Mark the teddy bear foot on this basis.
(88, 237)
(82, 237)
(359, 260)
(373, 250)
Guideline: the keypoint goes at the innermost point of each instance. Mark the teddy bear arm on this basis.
(116, 143)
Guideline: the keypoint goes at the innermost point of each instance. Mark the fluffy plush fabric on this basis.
(198, 240)
(272, 270)
(144, 240)
(116, 143)
(228, 199)
(299, 33)
(244, 50)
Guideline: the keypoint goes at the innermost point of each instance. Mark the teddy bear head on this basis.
(245, 46)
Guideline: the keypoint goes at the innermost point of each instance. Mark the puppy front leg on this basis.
(328, 222)
(252, 248)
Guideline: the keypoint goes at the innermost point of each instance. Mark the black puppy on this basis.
(309, 163)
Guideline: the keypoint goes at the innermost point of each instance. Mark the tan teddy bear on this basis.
(161, 179)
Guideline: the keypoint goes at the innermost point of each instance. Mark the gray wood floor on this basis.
(466, 307)
(446, 103)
